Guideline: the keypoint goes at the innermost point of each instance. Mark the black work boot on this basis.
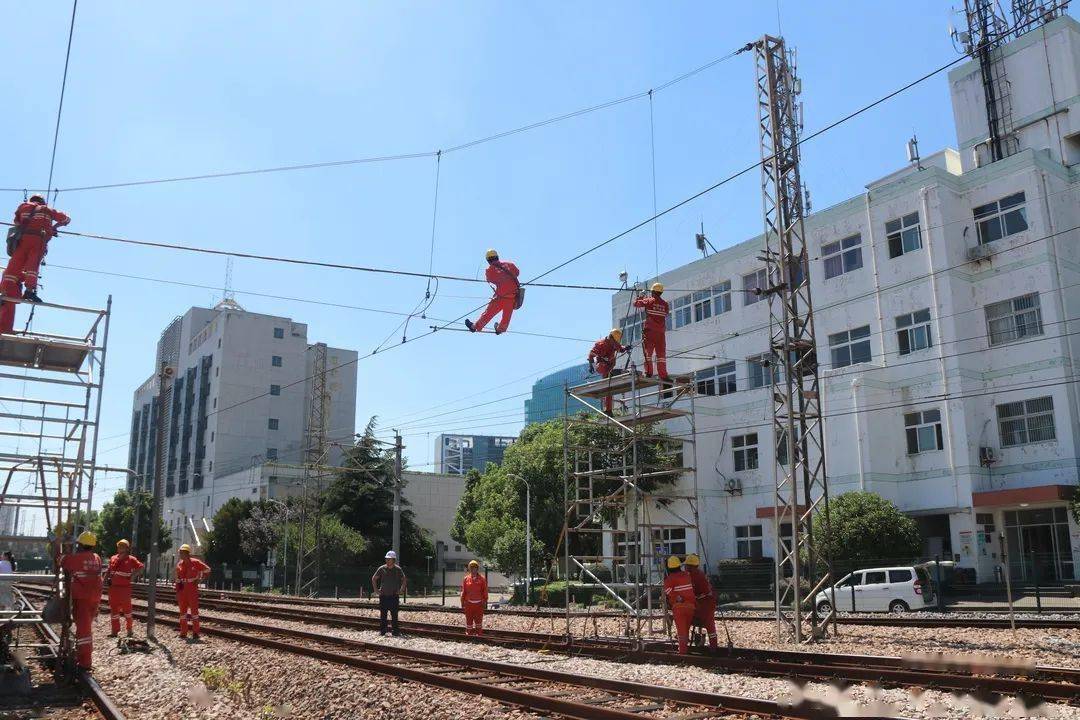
(468, 324)
(31, 296)
(498, 330)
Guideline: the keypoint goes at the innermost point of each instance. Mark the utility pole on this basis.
(396, 539)
(802, 490)
(164, 390)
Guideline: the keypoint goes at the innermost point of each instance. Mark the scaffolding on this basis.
(49, 462)
(625, 507)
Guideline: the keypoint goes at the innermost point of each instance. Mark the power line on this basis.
(60, 107)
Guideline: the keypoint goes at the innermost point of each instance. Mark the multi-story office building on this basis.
(241, 398)
(457, 454)
(947, 310)
(547, 401)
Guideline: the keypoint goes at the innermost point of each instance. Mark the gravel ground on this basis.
(856, 700)
(167, 685)
(1060, 647)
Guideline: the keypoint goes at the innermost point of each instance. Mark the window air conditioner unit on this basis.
(733, 486)
(979, 253)
(987, 456)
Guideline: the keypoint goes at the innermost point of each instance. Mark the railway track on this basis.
(889, 620)
(1039, 682)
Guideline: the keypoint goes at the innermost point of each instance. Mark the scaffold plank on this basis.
(32, 351)
(649, 415)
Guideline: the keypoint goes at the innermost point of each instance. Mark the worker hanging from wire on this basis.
(123, 566)
(82, 570)
(189, 571)
(509, 295)
(679, 594)
(602, 358)
(704, 598)
(653, 334)
(474, 599)
(27, 243)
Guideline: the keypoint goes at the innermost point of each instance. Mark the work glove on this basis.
(592, 368)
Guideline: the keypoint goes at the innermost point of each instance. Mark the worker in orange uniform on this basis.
(35, 223)
(704, 597)
(602, 358)
(504, 276)
(474, 598)
(82, 570)
(679, 594)
(122, 568)
(189, 571)
(653, 334)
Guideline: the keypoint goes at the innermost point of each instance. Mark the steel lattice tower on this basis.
(802, 492)
(308, 569)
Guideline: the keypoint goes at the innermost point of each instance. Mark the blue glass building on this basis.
(547, 394)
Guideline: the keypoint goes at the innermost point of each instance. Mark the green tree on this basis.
(490, 518)
(341, 545)
(866, 529)
(262, 529)
(223, 544)
(362, 497)
(114, 522)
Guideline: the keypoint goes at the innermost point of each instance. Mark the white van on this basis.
(891, 589)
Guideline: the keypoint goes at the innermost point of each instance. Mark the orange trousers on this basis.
(84, 610)
(655, 343)
(187, 597)
(474, 618)
(683, 616)
(22, 269)
(120, 605)
(605, 371)
(505, 305)
(705, 616)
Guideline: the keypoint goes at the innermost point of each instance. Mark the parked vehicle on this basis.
(891, 589)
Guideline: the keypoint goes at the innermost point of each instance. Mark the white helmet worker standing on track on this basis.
(389, 583)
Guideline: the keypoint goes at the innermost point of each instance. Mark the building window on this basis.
(758, 370)
(748, 541)
(680, 311)
(279, 333)
(631, 327)
(781, 447)
(744, 448)
(670, 541)
(719, 380)
(1026, 421)
(903, 235)
(754, 281)
(1001, 218)
(211, 436)
(275, 360)
(219, 342)
(913, 331)
(923, 431)
(271, 453)
(721, 296)
(272, 423)
(215, 403)
(457, 548)
(1010, 320)
(842, 256)
(850, 347)
(275, 389)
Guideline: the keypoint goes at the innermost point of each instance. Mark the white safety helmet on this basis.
(391, 555)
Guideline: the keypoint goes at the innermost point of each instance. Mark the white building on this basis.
(947, 307)
(241, 398)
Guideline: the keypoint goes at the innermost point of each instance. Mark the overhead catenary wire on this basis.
(60, 105)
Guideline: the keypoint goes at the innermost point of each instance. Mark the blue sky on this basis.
(164, 90)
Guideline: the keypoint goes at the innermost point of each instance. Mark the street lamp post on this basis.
(528, 534)
(285, 554)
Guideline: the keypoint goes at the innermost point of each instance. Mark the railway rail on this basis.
(1043, 682)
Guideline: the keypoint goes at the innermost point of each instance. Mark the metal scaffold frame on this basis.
(605, 501)
(56, 474)
(796, 389)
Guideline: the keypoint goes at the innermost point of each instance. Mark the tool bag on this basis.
(15, 233)
(519, 296)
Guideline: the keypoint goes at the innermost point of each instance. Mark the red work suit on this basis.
(474, 597)
(603, 355)
(188, 574)
(83, 569)
(121, 568)
(679, 593)
(653, 335)
(705, 610)
(22, 267)
(503, 275)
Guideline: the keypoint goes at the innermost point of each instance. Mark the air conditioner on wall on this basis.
(733, 486)
(987, 456)
(979, 253)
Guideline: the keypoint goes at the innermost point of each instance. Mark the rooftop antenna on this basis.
(228, 297)
(703, 243)
(913, 151)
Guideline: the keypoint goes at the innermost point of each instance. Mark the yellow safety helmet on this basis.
(616, 334)
(657, 287)
(673, 562)
(185, 548)
(88, 539)
(474, 564)
(492, 255)
(693, 560)
(122, 544)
